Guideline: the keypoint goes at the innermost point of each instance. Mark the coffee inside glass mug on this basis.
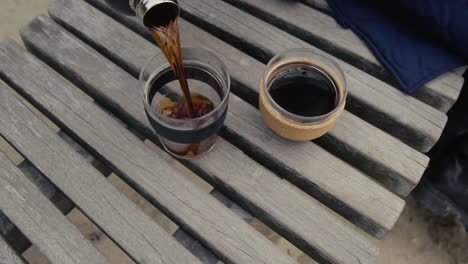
(302, 94)
(181, 135)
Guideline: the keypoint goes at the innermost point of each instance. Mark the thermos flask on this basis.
(152, 13)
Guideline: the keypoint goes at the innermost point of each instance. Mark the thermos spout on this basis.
(156, 13)
(152, 13)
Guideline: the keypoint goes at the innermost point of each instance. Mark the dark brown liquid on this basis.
(168, 39)
(304, 92)
(177, 110)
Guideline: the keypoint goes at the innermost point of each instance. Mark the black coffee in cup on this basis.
(304, 91)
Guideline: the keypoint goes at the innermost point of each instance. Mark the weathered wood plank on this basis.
(403, 116)
(460, 71)
(391, 162)
(320, 5)
(37, 217)
(8, 229)
(128, 46)
(396, 165)
(233, 240)
(323, 31)
(134, 231)
(288, 220)
(7, 255)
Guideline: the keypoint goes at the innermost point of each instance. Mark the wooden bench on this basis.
(80, 71)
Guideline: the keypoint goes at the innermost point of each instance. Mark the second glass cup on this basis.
(302, 94)
(209, 84)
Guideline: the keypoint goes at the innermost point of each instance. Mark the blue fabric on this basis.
(416, 40)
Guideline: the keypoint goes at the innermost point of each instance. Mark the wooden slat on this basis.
(460, 71)
(396, 165)
(315, 238)
(127, 49)
(7, 254)
(321, 5)
(134, 231)
(233, 240)
(37, 217)
(323, 31)
(403, 116)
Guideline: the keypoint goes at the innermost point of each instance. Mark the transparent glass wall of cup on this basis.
(322, 70)
(208, 79)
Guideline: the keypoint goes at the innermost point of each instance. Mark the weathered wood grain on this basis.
(324, 32)
(290, 156)
(393, 163)
(134, 231)
(287, 219)
(11, 154)
(37, 217)
(233, 240)
(7, 255)
(460, 71)
(403, 116)
(320, 5)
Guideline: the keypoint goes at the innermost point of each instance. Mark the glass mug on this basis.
(208, 79)
(302, 94)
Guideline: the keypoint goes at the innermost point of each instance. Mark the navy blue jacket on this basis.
(416, 40)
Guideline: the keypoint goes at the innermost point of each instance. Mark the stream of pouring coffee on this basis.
(168, 39)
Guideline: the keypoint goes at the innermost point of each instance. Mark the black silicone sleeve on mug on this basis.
(188, 136)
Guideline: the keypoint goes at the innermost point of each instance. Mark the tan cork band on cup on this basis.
(290, 129)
